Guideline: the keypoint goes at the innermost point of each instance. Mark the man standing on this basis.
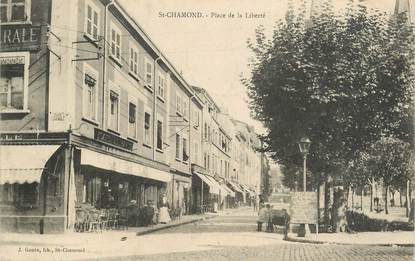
(262, 217)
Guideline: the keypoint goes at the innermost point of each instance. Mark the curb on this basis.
(319, 242)
(140, 233)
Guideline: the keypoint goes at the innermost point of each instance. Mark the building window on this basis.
(13, 81)
(14, 11)
(206, 131)
(177, 146)
(114, 111)
(116, 44)
(178, 104)
(205, 160)
(196, 153)
(161, 86)
(185, 109)
(185, 155)
(149, 74)
(91, 21)
(147, 128)
(132, 120)
(90, 93)
(134, 61)
(195, 118)
(159, 135)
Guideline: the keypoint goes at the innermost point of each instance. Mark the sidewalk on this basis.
(399, 238)
(67, 239)
(94, 245)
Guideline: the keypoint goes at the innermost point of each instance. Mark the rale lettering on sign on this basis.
(20, 37)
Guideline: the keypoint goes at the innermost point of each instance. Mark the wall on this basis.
(33, 119)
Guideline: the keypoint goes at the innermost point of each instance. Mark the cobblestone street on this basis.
(233, 237)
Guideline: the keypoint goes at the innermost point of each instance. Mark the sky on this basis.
(211, 52)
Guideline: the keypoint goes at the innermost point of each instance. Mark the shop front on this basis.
(110, 184)
(239, 193)
(32, 187)
(178, 193)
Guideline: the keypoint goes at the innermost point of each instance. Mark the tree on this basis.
(391, 163)
(358, 174)
(342, 80)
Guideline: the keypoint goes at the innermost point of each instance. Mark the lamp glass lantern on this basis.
(304, 145)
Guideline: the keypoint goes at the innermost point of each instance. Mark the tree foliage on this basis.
(343, 80)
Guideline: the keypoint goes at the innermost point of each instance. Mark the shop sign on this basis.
(33, 136)
(112, 139)
(20, 37)
(303, 208)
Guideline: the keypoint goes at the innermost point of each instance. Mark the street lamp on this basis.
(304, 145)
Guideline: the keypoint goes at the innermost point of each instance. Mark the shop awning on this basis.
(24, 163)
(213, 188)
(236, 187)
(103, 161)
(227, 190)
(215, 184)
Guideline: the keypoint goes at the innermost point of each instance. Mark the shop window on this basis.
(132, 120)
(116, 44)
(90, 93)
(114, 111)
(147, 128)
(12, 11)
(22, 196)
(177, 146)
(159, 135)
(91, 21)
(93, 191)
(13, 81)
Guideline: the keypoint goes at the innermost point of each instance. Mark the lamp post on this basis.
(304, 145)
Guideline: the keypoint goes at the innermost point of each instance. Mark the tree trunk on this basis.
(326, 203)
(386, 200)
(361, 199)
(371, 197)
(407, 199)
(339, 221)
(352, 198)
(400, 197)
(392, 198)
(348, 197)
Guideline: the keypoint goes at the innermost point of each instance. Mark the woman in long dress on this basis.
(164, 216)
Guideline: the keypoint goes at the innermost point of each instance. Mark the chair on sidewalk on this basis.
(122, 218)
(81, 220)
(103, 219)
(94, 223)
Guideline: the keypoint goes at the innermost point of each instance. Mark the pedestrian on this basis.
(262, 216)
(270, 224)
(164, 216)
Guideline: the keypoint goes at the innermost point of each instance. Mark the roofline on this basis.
(134, 24)
(205, 92)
